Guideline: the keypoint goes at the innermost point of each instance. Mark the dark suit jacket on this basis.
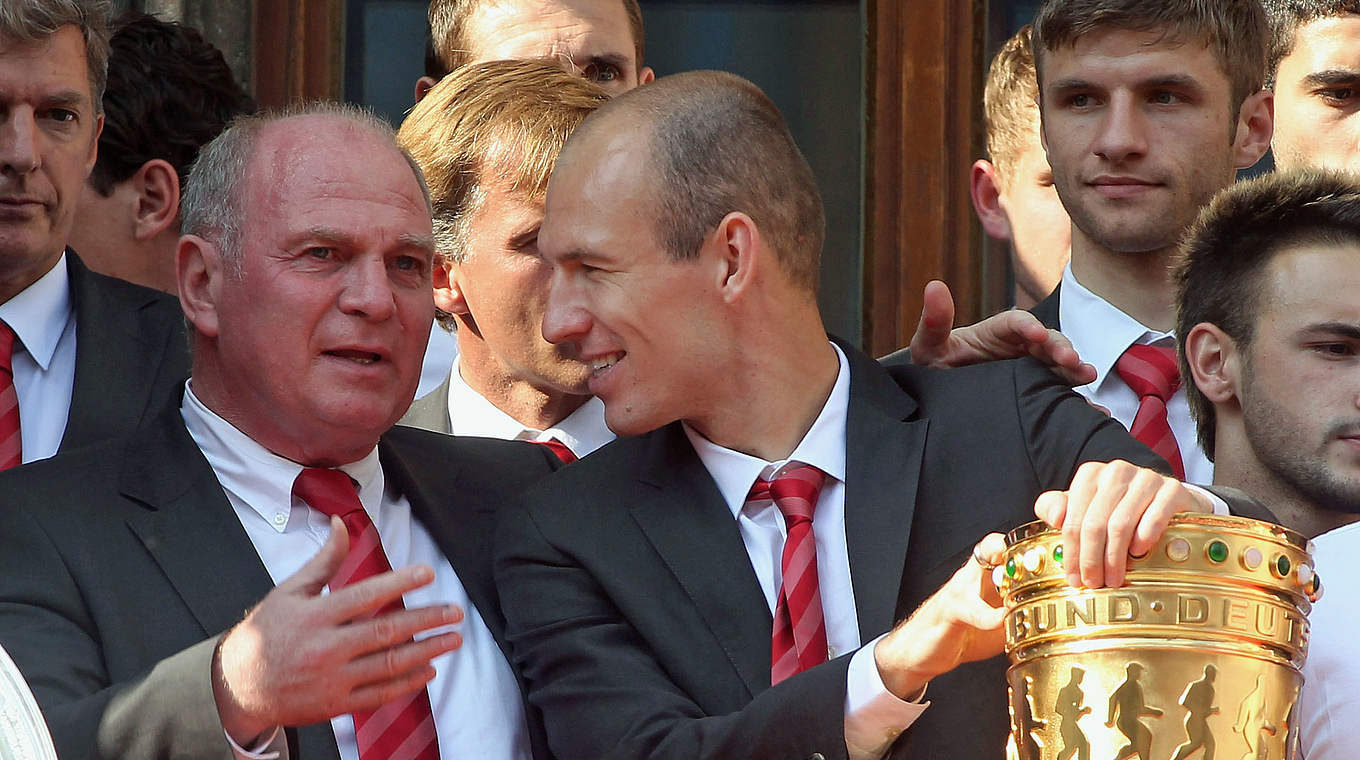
(121, 563)
(131, 355)
(638, 622)
(1047, 309)
(431, 411)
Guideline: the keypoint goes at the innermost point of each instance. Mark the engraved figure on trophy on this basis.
(1126, 707)
(1071, 707)
(1252, 721)
(1198, 701)
(1031, 747)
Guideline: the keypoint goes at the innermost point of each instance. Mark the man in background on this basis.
(1148, 109)
(1270, 332)
(82, 356)
(1013, 192)
(1314, 69)
(169, 92)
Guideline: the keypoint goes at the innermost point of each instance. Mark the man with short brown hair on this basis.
(1013, 192)
(1148, 109)
(1314, 70)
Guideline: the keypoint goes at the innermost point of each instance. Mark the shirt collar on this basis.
(470, 413)
(1099, 331)
(38, 314)
(823, 447)
(260, 478)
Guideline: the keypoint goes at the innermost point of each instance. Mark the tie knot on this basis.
(328, 491)
(794, 492)
(1150, 371)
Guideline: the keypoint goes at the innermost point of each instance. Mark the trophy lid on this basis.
(23, 732)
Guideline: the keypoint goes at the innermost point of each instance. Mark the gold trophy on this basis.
(1197, 656)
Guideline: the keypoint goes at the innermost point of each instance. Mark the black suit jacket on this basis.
(131, 355)
(638, 622)
(120, 565)
(1047, 309)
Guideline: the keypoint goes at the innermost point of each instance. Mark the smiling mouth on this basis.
(601, 364)
(358, 357)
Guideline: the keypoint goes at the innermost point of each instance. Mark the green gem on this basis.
(1316, 585)
(1057, 554)
(1282, 565)
(1218, 551)
(1010, 567)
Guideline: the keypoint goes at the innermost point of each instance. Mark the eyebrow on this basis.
(333, 235)
(64, 98)
(1331, 77)
(1342, 329)
(1164, 80)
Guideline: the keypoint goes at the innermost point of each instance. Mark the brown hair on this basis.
(718, 145)
(1222, 261)
(506, 117)
(1286, 16)
(1235, 31)
(451, 47)
(1010, 105)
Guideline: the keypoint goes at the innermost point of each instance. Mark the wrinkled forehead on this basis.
(551, 29)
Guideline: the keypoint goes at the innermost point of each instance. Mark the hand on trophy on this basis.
(1111, 511)
(959, 623)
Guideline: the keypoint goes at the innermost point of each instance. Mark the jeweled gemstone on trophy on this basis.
(1198, 655)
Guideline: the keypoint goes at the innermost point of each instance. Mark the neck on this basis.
(1138, 284)
(1236, 466)
(534, 406)
(773, 391)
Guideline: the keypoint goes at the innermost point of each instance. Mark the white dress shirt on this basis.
(1100, 333)
(44, 319)
(470, 413)
(440, 354)
(1329, 705)
(475, 698)
(873, 716)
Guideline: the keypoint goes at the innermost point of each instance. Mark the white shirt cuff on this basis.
(264, 750)
(874, 716)
(1220, 506)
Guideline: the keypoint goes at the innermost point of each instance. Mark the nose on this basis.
(367, 290)
(1123, 131)
(19, 150)
(564, 320)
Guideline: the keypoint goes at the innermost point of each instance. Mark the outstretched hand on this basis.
(302, 657)
(1008, 335)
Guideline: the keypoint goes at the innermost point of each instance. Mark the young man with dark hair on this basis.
(1148, 109)
(1013, 192)
(169, 93)
(1269, 328)
(1314, 69)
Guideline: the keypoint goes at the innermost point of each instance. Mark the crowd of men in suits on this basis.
(217, 541)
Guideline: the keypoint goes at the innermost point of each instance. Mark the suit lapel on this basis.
(1048, 309)
(112, 387)
(693, 530)
(883, 467)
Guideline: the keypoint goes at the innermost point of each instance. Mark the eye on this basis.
(61, 115)
(1337, 96)
(320, 252)
(1334, 350)
(1081, 100)
(408, 264)
(602, 72)
(1166, 98)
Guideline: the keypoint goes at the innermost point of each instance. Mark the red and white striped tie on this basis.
(11, 444)
(1152, 373)
(799, 636)
(402, 729)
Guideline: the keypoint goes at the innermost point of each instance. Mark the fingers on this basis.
(369, 594)
(1051, 507)
(937, 317)
(313, 576)
(371, 697)
(394, 628)
(395, 662)
(989, 553)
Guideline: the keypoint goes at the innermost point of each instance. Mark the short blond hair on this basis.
(452, 47)
(1010, 102)
(503, 119)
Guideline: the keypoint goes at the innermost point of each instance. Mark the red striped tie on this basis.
(1153, 374)
(11, 444)
(404, 728)
(560, 449)
(799, 638)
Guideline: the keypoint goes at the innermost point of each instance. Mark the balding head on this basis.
(716, 145)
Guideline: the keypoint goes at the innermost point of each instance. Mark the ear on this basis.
(1215, 363)
(448, 291)
(736, 244)
(94, 145)
(199, 271)
(423, 87)
(646, 75)
(1255, 127)
(985, 188)
(157, 186)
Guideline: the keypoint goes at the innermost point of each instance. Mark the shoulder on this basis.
(96, 291)
(503, 465)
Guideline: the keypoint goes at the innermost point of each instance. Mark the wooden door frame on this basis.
(299, 51)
